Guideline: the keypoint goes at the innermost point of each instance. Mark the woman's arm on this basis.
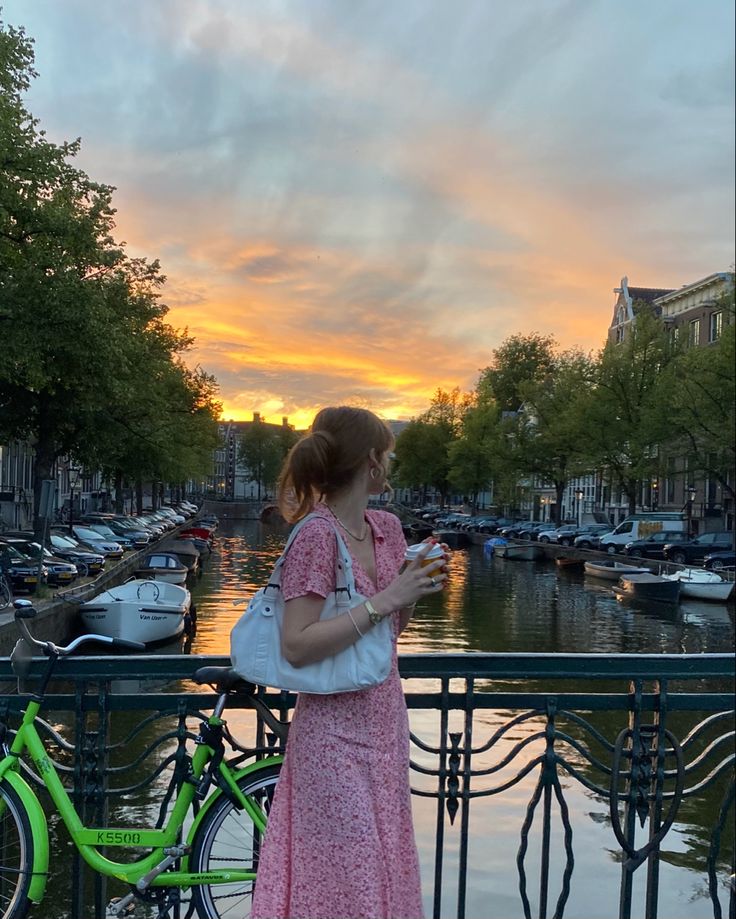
(306, 639)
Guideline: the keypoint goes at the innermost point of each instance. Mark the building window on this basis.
(694, 336)
(716, 326)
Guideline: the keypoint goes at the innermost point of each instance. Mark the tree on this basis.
(473, 456)
(518, 361)
(422, 447)
(629, 416)
(701, 389)
(551, 438)
(263, 449)
(84, 333)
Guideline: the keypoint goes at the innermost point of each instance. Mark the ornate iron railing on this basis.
(646, 739)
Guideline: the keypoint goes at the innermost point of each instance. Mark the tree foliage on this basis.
(628, 418)
(517, 362)
(263, 449)
(90, 367)
(701, 388)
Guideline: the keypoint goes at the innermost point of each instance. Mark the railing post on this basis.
(658, 750)
(629, 823)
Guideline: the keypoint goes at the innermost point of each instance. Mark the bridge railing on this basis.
(595, 775)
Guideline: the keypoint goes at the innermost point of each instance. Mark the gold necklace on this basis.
(357, 538)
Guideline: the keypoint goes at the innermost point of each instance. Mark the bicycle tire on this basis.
(227, 837)
(16, 854)
(5, 594)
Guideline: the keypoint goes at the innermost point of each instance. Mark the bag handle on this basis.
(344, 579)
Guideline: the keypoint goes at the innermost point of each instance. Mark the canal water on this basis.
(499, 605)
(489, 605)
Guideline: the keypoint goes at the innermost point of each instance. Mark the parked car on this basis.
(717, 561)
(58, 571)
(452, 521)
(94, 541)
(591, 539)
(156, 526)
(139, 535)
(127, 538)
(653, 546)
(20, 571)
(553, 534)
(481, 524)
(171, 513)
(86, 561)
(695, 550)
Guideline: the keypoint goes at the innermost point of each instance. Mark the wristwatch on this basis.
(373, 614)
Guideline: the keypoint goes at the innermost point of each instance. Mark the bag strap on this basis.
(344, 578)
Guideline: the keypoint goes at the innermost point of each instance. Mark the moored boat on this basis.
(702, 585)
(185, 550)
(163, 566)
(139, 610)
(569, 563)
(612, 571)
(527, 553)
(648, 587)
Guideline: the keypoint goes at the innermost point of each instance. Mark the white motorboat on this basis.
(139, 610)
(163, 566)
(702, 585)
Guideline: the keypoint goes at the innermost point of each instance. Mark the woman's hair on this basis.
(329, 457)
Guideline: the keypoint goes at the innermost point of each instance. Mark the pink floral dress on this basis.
(340, 840)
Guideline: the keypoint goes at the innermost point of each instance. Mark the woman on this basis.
(340, 841)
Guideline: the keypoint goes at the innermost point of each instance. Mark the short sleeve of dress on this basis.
(310, 562)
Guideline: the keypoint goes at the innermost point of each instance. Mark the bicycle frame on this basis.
(88, 839)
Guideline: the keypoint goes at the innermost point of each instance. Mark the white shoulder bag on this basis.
(255, 641)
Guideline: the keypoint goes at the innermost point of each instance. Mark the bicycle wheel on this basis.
(5, 594)
(16, 854)
(227, 837)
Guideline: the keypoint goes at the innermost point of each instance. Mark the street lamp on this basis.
(690, 498)
(75, 474)
(655, 494)
(579, 497)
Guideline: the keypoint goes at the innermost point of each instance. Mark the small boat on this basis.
(568, 563)
(648, 587)
(139, 610)
(494, 545)
(520, 553)
(455, 539)
(185, 551)
(612, 571)
(197, 532)
(702, 585)
(163, 566)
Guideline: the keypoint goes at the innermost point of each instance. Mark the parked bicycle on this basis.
(215, 860)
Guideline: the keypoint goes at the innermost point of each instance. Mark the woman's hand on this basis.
(414, 581)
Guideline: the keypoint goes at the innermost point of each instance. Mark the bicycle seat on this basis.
(224, 679)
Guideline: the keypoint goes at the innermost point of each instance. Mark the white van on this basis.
(639, 526)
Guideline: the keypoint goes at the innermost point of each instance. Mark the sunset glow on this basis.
(359, 202)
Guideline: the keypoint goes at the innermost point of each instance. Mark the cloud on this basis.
(362, 201)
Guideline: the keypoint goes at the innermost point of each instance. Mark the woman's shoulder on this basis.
(386, 521)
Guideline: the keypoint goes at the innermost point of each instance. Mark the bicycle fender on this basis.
(217, 794)
(39, 831)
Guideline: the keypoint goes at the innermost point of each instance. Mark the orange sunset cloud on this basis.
(359, 203)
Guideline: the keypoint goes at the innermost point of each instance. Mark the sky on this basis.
(356, 202)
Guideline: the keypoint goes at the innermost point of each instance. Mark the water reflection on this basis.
(499, 605)
(490, 604)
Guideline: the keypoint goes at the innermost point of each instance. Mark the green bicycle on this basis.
(217, 856)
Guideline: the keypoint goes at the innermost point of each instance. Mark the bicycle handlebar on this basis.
(24, 609)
